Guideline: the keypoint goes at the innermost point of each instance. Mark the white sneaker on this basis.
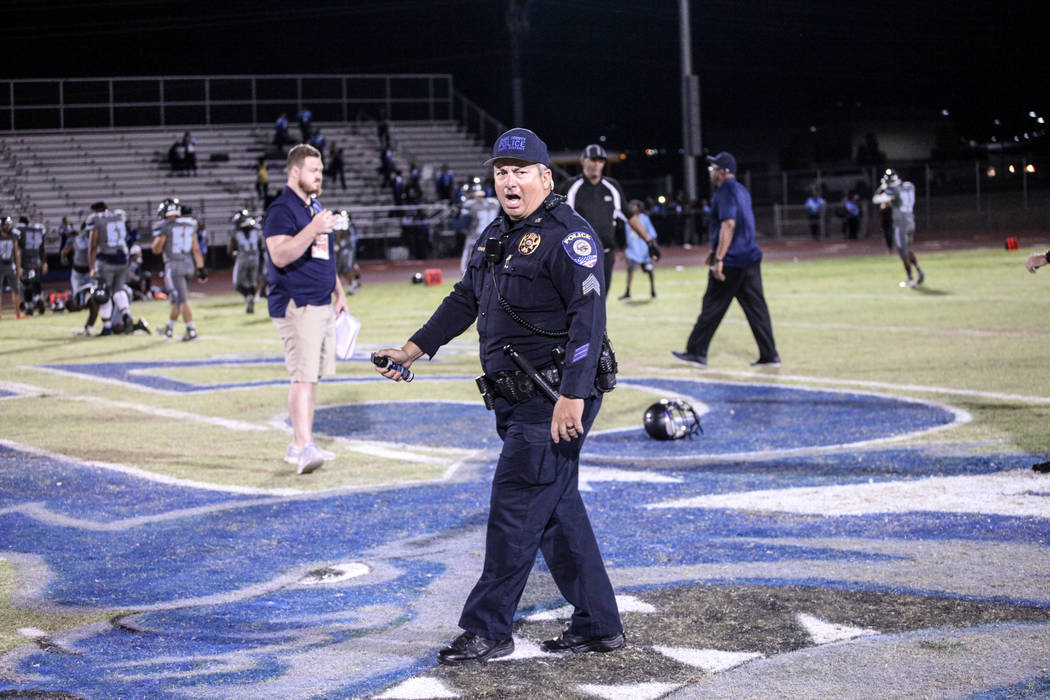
(310, 458)
(291, 455)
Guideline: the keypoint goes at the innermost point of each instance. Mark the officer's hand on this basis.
(403, 356)
(654, 251)
(1034, 262)
(716, 270)
(567, 421)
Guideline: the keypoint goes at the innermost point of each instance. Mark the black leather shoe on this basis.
(578, 644)
(470, 648)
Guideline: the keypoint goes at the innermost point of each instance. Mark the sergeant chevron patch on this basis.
(591, 284)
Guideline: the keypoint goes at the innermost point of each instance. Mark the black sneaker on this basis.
(168, 333)
(470, 648)
(579, 644)
(106, 331)
(249, 308)
(775, 362)
(141, 325)
(624, 296)
(191, 334)
(690, 359)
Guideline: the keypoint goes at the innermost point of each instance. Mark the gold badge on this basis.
(529, 243)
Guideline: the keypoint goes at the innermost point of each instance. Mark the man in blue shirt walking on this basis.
(302, 274)
(735, 269)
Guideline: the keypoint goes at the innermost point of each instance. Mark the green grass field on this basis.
(974, 336)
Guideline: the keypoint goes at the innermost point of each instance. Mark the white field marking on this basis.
(589, 474)
(419, 689)
(862, 383)
(148, 475)
(239, 425)
(824, 632)
(343, 571)
(626, 603)
(1012, 493)
(32, 632)
(525, 649)
(629, 691)
(709, 660)
(20, 390)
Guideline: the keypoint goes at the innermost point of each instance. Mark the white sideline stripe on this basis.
(862, 383)
(824, 632)
(173, 413)
(419, 689)
(629, 691)
(709, 660)
(1019, 492)
(148, 475)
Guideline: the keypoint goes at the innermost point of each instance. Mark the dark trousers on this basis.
(745, 285)
(536, 505)
(610, 263)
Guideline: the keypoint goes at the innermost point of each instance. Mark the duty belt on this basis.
(516, 387)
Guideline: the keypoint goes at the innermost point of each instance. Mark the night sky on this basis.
(591, 67)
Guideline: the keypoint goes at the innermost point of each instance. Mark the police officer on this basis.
(535, 270)
(600, 201)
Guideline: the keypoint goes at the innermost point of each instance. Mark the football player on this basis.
(900, 196)
(80, 279)
(10, 263)
(247, 238)
(34, 266)
(177, 239)
(108, 260)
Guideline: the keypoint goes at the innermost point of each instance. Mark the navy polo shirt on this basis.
(733, 201)
(310, 279)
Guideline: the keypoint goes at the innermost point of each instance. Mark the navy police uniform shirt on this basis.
(551, 276)
(733, 201)
(601, 205)
(309, 280)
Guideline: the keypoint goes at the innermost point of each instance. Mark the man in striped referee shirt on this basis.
(601, 202)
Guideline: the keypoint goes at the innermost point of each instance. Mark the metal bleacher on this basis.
(50, 175)
(68, 142)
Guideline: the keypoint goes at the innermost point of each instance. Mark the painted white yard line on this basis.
(147, 475)
(1018, 493)
(866, 328)
(771, 376)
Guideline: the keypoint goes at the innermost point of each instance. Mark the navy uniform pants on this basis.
(745, 285)
(536, 505)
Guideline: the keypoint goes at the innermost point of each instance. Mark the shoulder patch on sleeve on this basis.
(580, 247)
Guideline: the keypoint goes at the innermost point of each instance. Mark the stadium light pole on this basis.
(692, 145)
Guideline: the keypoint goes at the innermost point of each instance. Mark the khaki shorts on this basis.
(308, 333)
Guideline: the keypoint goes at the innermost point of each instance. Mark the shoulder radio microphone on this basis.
(384, 362)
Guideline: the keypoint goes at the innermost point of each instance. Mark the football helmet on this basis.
(170, 206)
(100, 293)
(890, 178)
(243, 219)
(671, 419)
(7, 222)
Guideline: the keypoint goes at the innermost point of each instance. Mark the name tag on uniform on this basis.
(319, 250)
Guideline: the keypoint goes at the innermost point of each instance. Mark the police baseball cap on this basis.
(594, 152)
(519, 144)
(723, 160)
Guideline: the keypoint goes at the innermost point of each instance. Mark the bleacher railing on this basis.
(71, 103)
